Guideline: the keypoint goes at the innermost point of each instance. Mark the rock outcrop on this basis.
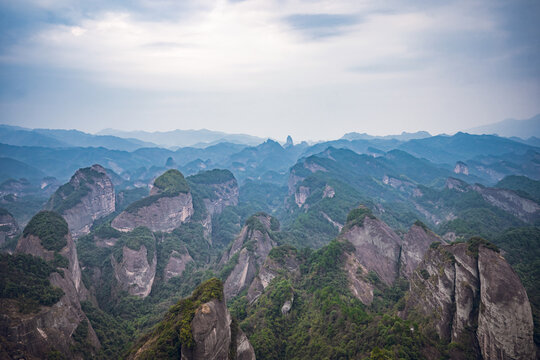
(281, 260)
(461, 168)
(88, 196)
(135, 274)
(524, 209)
(471, 296)
(219, 189)
(414, 246)
(209, 333)
(8, 226)
(135, 269)
(379, 253)
(169, 205)
(248, 252)
(177, 264)
(35, 335)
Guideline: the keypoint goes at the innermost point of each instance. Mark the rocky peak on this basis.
(199, 327)
(475, 299)
(416, 243)
(461, 168)
(89, 195)
(8, 226)
(169, 205)
(377, 246)
(248, 252)
(289, 142)
(52, 327)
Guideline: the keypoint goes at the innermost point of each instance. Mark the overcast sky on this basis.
(312, 69)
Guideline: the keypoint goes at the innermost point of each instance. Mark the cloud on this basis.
(309, 57)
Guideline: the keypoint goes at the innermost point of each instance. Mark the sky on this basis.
(312, 69)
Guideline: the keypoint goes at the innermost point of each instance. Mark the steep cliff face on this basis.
(280, 260)
(8, 226)
(218, 189)
(379, 253)
(199, 327)
(169, 205)
(89, 195)
(471, 296)
(248, 252)
(134, 262)
(415, 244)
(51, 327)
(377, 247)
(134, 273)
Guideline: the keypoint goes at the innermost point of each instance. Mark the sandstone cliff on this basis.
(134, 267)
(379, 253)
(169, 205)
(89, 195)
(51, 328)
(471, 296)
(524, 209)
(248, 252)
(218, 189)
(199, 327)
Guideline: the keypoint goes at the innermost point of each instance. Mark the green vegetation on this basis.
(212, 177)
(134, 240)
(475, 242)
(25, 278)
(356, 216)
(326, 321)
(51, 229)
(166, 340)
(172, 182)
(114, 334)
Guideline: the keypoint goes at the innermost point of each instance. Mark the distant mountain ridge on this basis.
(404, 136)
(511, 127)
(59, 138)
(183, 138)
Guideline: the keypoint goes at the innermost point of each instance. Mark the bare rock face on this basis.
(89, 195)
(34, 335)
(214, 335)
(8, 226)
(377, 247)
(415, 244)
(471, 296)
(284, 262)
(134, 273)
(504, 322)
(169, 205)
(222, 194)
(461, 168)
(249, 249)
(177, 264)
(507, 200)
(165, 214)
(301, 195)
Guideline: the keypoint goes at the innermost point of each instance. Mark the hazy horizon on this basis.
(314, 70)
